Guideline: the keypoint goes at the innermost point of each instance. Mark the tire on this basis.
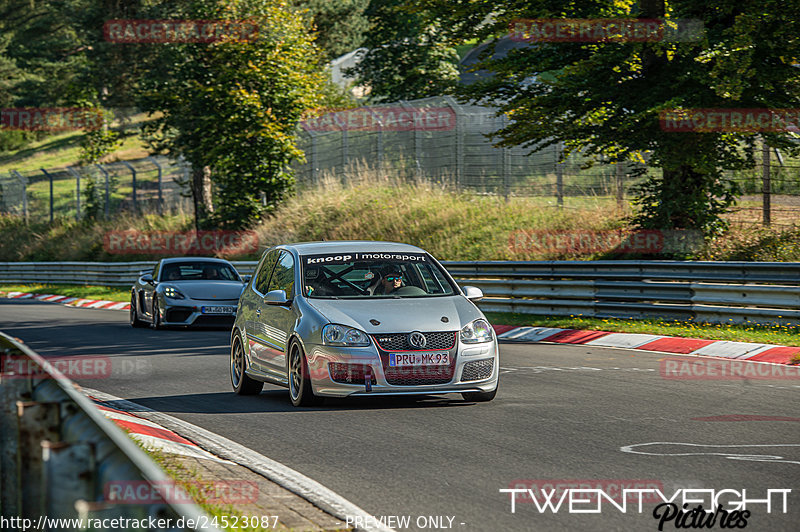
(242, 384)
(134, 314)
(300, 391)
(479, 397)
(156, 318)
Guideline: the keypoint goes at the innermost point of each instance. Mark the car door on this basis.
(148, 290)
(278, 320)
(252, 302)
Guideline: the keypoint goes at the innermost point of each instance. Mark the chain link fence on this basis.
(440, 140)
(152, 184)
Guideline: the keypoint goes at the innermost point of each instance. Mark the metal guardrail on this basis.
(715, 292)
(59, 452)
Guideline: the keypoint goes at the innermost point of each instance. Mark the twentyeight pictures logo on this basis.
(178, 31)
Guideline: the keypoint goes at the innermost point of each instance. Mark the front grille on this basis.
(434, 341)
(417, 376)
(178, 313)
(480, 369)
(350, 373)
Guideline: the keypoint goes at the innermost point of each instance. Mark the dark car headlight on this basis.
(173, 293)
(339, 335)
(477, 332)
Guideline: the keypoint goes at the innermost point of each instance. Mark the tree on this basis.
(407, 57)
(340, 25)
(231, 107)
(606, 97)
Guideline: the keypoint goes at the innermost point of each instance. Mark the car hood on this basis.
(208, 290)
(399, 315)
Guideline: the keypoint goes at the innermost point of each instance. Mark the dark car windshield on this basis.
(198, 271)
(373, 275)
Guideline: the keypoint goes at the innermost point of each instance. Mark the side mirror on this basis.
(246, 279)
(473, 293)
(148, 278)
(277, 297)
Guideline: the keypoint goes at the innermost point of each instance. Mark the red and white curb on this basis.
(777, 354)
(71, 301)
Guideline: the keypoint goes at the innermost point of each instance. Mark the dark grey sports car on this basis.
(186, 291)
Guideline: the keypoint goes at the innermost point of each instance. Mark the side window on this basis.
(260, 284)
(283, 276)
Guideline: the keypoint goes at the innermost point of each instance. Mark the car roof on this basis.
(193, 259)
(356, 246)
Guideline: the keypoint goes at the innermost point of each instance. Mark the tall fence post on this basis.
(160, 189)
(77, 175)
(345, 146)
(50, 177)
(506, 162)
(559, 175)
(380, 137)
(133, 177)
(619, 192)
(24, 183)
(108, 190)
(767, 183)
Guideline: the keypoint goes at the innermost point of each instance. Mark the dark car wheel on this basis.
(479, 397)
(300, 390)
(134, 315)
(156, 317)
(242, 384)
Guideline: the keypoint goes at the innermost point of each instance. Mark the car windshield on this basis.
(373, 275)
(198, 271)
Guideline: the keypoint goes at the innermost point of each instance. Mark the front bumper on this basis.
(472, 365)
(189, 312)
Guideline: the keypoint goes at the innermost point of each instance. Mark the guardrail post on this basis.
(108, 187)
(50, 177)
(37, 422)
(24, 183)
(69, 472)
(133, 177)
(12, 388)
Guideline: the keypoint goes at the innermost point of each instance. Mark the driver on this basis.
(392, 280)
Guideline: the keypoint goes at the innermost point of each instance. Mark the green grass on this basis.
(105, 293)
(766, 334)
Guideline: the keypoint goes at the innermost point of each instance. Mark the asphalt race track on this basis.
(563, 414)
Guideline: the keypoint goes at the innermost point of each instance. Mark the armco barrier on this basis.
(59, 451)
(759, 292)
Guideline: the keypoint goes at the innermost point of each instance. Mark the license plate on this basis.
(218, 310)
(419, 359)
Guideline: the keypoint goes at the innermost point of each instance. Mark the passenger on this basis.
(211, 273)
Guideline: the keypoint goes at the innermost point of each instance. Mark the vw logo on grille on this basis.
(417, 339)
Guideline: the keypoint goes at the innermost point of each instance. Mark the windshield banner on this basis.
(346, 258)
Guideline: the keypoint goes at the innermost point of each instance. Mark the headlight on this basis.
(340, 335)
(173, 293)
(477, 332)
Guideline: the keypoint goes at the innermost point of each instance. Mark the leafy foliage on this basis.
(339, 25)
(605, 97)
(407, 57)
(232, 105)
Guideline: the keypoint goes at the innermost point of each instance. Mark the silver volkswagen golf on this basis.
(339, 319)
